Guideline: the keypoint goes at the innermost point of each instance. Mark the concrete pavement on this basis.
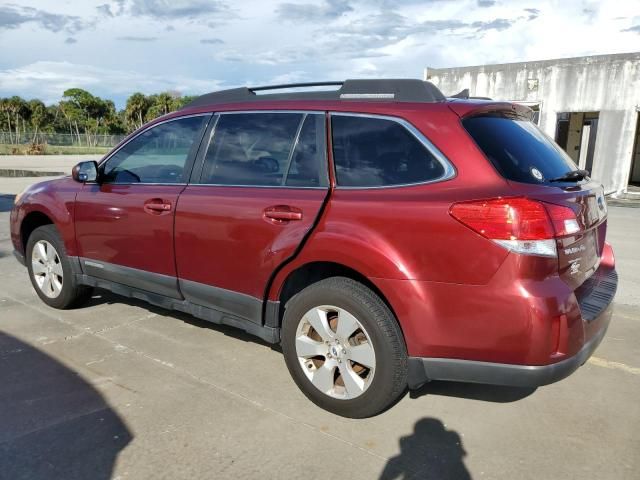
(121, 389)
(46, 163)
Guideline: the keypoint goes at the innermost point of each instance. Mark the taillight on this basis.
(563, 218)
(518, 224)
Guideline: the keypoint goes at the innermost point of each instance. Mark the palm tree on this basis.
(17, 108)
(136, 110)
(39, 117)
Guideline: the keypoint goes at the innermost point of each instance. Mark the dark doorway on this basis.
(634, 175)
(562, 130)
(576, 133)
(588, 143)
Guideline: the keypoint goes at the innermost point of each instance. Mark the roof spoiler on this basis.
(468, 109)
(397, 90)
(465, 95)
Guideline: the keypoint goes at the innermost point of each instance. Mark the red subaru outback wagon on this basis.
(383, 234)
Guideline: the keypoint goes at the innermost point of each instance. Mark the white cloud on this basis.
(47, 80)
(198, 45)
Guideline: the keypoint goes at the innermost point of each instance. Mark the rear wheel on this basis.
(344, 348)
(50, 270)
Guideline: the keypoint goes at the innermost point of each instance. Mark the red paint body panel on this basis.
(223, 238)
(56, 200)
(379, 239)
(455, 293)
(506, 321)
(113, 226)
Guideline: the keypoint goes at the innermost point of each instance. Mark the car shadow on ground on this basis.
(54, 423)
(431, 451)
(6, 202)
(100, 297)
(473, 391)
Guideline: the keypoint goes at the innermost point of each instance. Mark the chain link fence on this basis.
(60, 139)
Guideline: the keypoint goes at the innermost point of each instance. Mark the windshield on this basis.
(518, 149)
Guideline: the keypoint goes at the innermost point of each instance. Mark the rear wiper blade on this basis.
(572, 176)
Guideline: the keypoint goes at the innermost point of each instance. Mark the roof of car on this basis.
(378, 90)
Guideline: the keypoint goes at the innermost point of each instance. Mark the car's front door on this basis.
(262, 184)
(124, 223)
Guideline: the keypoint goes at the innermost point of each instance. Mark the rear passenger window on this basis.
(308, 163)
(375, 152)
(266, 149)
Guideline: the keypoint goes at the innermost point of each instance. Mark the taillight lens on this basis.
(518, 224)
(563, 218)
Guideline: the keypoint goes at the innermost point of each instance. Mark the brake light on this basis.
(518, 224)
(564, 220)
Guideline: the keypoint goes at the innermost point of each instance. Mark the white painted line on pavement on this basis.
(601, 362)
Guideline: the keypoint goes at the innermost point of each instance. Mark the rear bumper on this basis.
(423, 370)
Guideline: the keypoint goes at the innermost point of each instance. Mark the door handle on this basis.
(282, 214)
(157, 206)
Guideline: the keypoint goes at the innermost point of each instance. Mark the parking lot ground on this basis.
(121, 389)
(43, 163)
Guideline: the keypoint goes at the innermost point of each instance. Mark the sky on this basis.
(116, 47)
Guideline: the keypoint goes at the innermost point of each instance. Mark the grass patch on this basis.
(6, 149)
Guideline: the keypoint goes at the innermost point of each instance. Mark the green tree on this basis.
(86, 112)
(39, 117)
(136, 110)
(5, 118)
(161, 104)
(16, 110)
(82, 115)
(182, 101)
(57, 122)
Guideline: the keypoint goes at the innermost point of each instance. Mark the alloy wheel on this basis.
(47, 269)
(335, 352)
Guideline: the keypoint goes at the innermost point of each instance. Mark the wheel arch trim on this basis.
(326, 269)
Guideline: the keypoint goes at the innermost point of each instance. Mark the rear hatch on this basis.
(538, 169)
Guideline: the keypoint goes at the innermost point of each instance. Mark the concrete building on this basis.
(589, 105)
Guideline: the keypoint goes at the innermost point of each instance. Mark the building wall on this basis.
(608, 84)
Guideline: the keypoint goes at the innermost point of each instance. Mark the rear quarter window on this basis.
(376, 152)
(518, 149)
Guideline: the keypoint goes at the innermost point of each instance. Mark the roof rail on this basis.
(397, 90)
(295, 85)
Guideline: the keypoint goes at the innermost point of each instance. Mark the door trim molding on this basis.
(239, 304)
(213, 304)
(140, 279)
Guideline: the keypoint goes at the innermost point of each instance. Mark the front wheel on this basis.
(344, 348)
(50, 271)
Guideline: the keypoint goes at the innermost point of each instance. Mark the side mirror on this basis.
(85, 172)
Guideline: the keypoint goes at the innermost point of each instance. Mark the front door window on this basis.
(158, 155)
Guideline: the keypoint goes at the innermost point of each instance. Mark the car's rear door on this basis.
(259, 185)
(124, 223)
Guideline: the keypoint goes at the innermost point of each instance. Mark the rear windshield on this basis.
(518, 149)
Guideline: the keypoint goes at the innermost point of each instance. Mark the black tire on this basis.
(389, 381)
(71, 294)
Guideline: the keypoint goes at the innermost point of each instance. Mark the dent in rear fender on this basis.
(380, 244)
(56, 200)
(369, 259)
